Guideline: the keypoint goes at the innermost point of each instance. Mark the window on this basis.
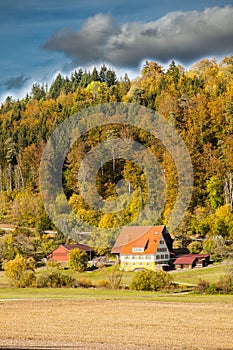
(166, 256)
(161, 249)
(134, 263)
(138, 249)
(126, 257)
(162, 256)
(161, 242)
(148, 264)
(140, 264)
(148, 257)
(157, 257)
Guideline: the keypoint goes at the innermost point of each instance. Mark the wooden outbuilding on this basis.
(62, 252)
(189, 261)
(185, 262)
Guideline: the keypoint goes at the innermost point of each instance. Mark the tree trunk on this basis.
(228, 189)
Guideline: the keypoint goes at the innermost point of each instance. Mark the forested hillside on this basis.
(199, 103)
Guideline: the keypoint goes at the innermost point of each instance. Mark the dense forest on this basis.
(197, 101)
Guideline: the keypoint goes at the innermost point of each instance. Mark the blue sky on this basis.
(38, 38)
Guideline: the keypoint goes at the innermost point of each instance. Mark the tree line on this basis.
(197, 101)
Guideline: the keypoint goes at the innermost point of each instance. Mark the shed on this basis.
(202, 259)
(62, 252)
(185, 262)
(192, 260)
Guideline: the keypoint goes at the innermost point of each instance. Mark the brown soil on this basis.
(64, 324)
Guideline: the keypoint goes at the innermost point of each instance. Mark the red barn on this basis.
(185, 262)
(192, 260)
(63, 251)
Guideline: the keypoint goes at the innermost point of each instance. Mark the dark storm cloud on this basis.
(88, 44)
(15, 82)
(185, 36)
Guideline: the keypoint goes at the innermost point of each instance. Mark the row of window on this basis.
(140, 264)
(145, 257)
(137, 257)
(162, 257)
(162, 250)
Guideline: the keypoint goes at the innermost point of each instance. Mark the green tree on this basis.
(216, 247)
(26, 208)
(95, 75)
(173, 73)
(195, 247)
(221, 222)
(56, 86)
(8, 250)
(215, 192)
(78, 260)
(209, 246)
(11, 157)
(38, 91)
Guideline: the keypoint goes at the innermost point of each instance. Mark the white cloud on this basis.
(184, 36)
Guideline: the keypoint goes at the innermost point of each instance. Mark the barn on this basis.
(62, 252)
(185, 262)
(191, 260)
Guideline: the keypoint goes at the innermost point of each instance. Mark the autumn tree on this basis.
(78, 260)
(20, 271)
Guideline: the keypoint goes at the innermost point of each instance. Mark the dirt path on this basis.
(63, 324)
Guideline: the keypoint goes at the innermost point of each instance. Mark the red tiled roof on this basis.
(136, 234)
(185, 259)
(197, 255)
(78, 246)
(149, 242)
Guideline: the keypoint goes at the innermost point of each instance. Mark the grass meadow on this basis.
(211, 273)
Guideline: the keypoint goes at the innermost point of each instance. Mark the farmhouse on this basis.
(189, 261)
(62, 252)
(143, 247)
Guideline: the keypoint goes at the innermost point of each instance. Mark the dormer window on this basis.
(138, 249)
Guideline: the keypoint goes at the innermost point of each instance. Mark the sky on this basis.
(39, 38)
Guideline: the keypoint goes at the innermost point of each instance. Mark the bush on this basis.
(114, 276)
(212, 289)
(103, 284)
(151, 280)
(53, 264)
(42, 281)
(55, 279)
(225, 284)
(202, 287)
(84, 282)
